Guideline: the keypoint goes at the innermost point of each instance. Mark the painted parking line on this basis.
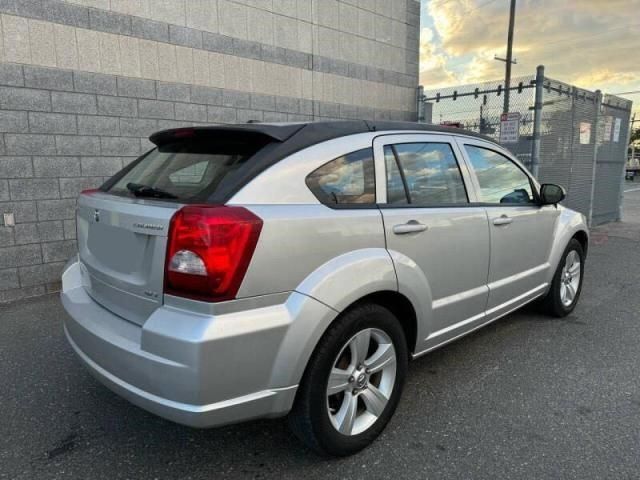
(632, 190)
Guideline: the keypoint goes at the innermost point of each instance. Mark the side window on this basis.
(427, 172)
(349, 179)
(501, 180)
(396, 193)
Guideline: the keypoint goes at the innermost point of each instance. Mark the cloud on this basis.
(606, 76)
(462, 25)
(483, 67)
(433, 64)
(583, 42)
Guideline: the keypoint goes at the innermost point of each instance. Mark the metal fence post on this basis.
(626, 153)
(420, 103)
(537, 122)
(596, 120)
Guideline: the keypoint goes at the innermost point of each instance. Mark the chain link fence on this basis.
(613, 138)
(562, 133)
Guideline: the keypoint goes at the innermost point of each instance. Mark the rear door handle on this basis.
(502, 220)
(412, 226)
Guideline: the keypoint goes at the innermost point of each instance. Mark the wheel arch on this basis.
(397, 303)
(367, 275)
(583, 238)
(402, 309)
(570, 225)
(322, 297)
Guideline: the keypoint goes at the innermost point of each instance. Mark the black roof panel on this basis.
(284, 139)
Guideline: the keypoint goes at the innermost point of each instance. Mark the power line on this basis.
(633, 92)
(480, 6)
(467, 10)
(445, 2)
(589, 35)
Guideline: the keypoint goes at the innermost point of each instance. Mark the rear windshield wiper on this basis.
(140, 190)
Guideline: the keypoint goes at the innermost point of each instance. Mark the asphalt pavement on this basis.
(526, 397)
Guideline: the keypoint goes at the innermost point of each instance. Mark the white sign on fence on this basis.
(616, 130)
(585, 133)
(510, 127)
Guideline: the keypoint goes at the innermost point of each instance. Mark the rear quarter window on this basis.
(346, 180)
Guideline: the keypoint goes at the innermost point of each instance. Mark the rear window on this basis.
(184, 171)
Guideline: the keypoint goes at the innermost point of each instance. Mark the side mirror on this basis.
(551, 194)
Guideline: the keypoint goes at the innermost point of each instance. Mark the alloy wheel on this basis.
(570, 278)
(361, 381)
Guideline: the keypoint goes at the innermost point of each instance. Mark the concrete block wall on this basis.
(83, 83)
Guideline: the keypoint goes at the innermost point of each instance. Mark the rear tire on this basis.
(367, 382)
(566, 286)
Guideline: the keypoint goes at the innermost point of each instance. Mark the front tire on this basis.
(353, 382)
(566, 286)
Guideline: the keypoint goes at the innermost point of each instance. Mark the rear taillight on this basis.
(208, 252)
(89, 191)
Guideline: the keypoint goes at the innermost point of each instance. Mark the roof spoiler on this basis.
(273, 133)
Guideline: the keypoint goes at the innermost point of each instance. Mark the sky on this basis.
(588, 43)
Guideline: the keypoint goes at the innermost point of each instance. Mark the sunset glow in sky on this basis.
(589, 43)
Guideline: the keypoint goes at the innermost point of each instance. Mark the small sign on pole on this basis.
(510, 127)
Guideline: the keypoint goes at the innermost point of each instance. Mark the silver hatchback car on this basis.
(258, 270)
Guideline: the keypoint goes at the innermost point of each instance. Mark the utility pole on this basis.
(509, 59)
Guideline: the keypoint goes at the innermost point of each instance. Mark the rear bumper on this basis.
(260, 404)
(196, 369)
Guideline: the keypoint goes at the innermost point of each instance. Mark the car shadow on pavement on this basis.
(84, 428)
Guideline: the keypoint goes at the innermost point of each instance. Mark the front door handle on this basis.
(502, 220)
(412, 226)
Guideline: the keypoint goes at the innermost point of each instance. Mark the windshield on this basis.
(183, 171)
